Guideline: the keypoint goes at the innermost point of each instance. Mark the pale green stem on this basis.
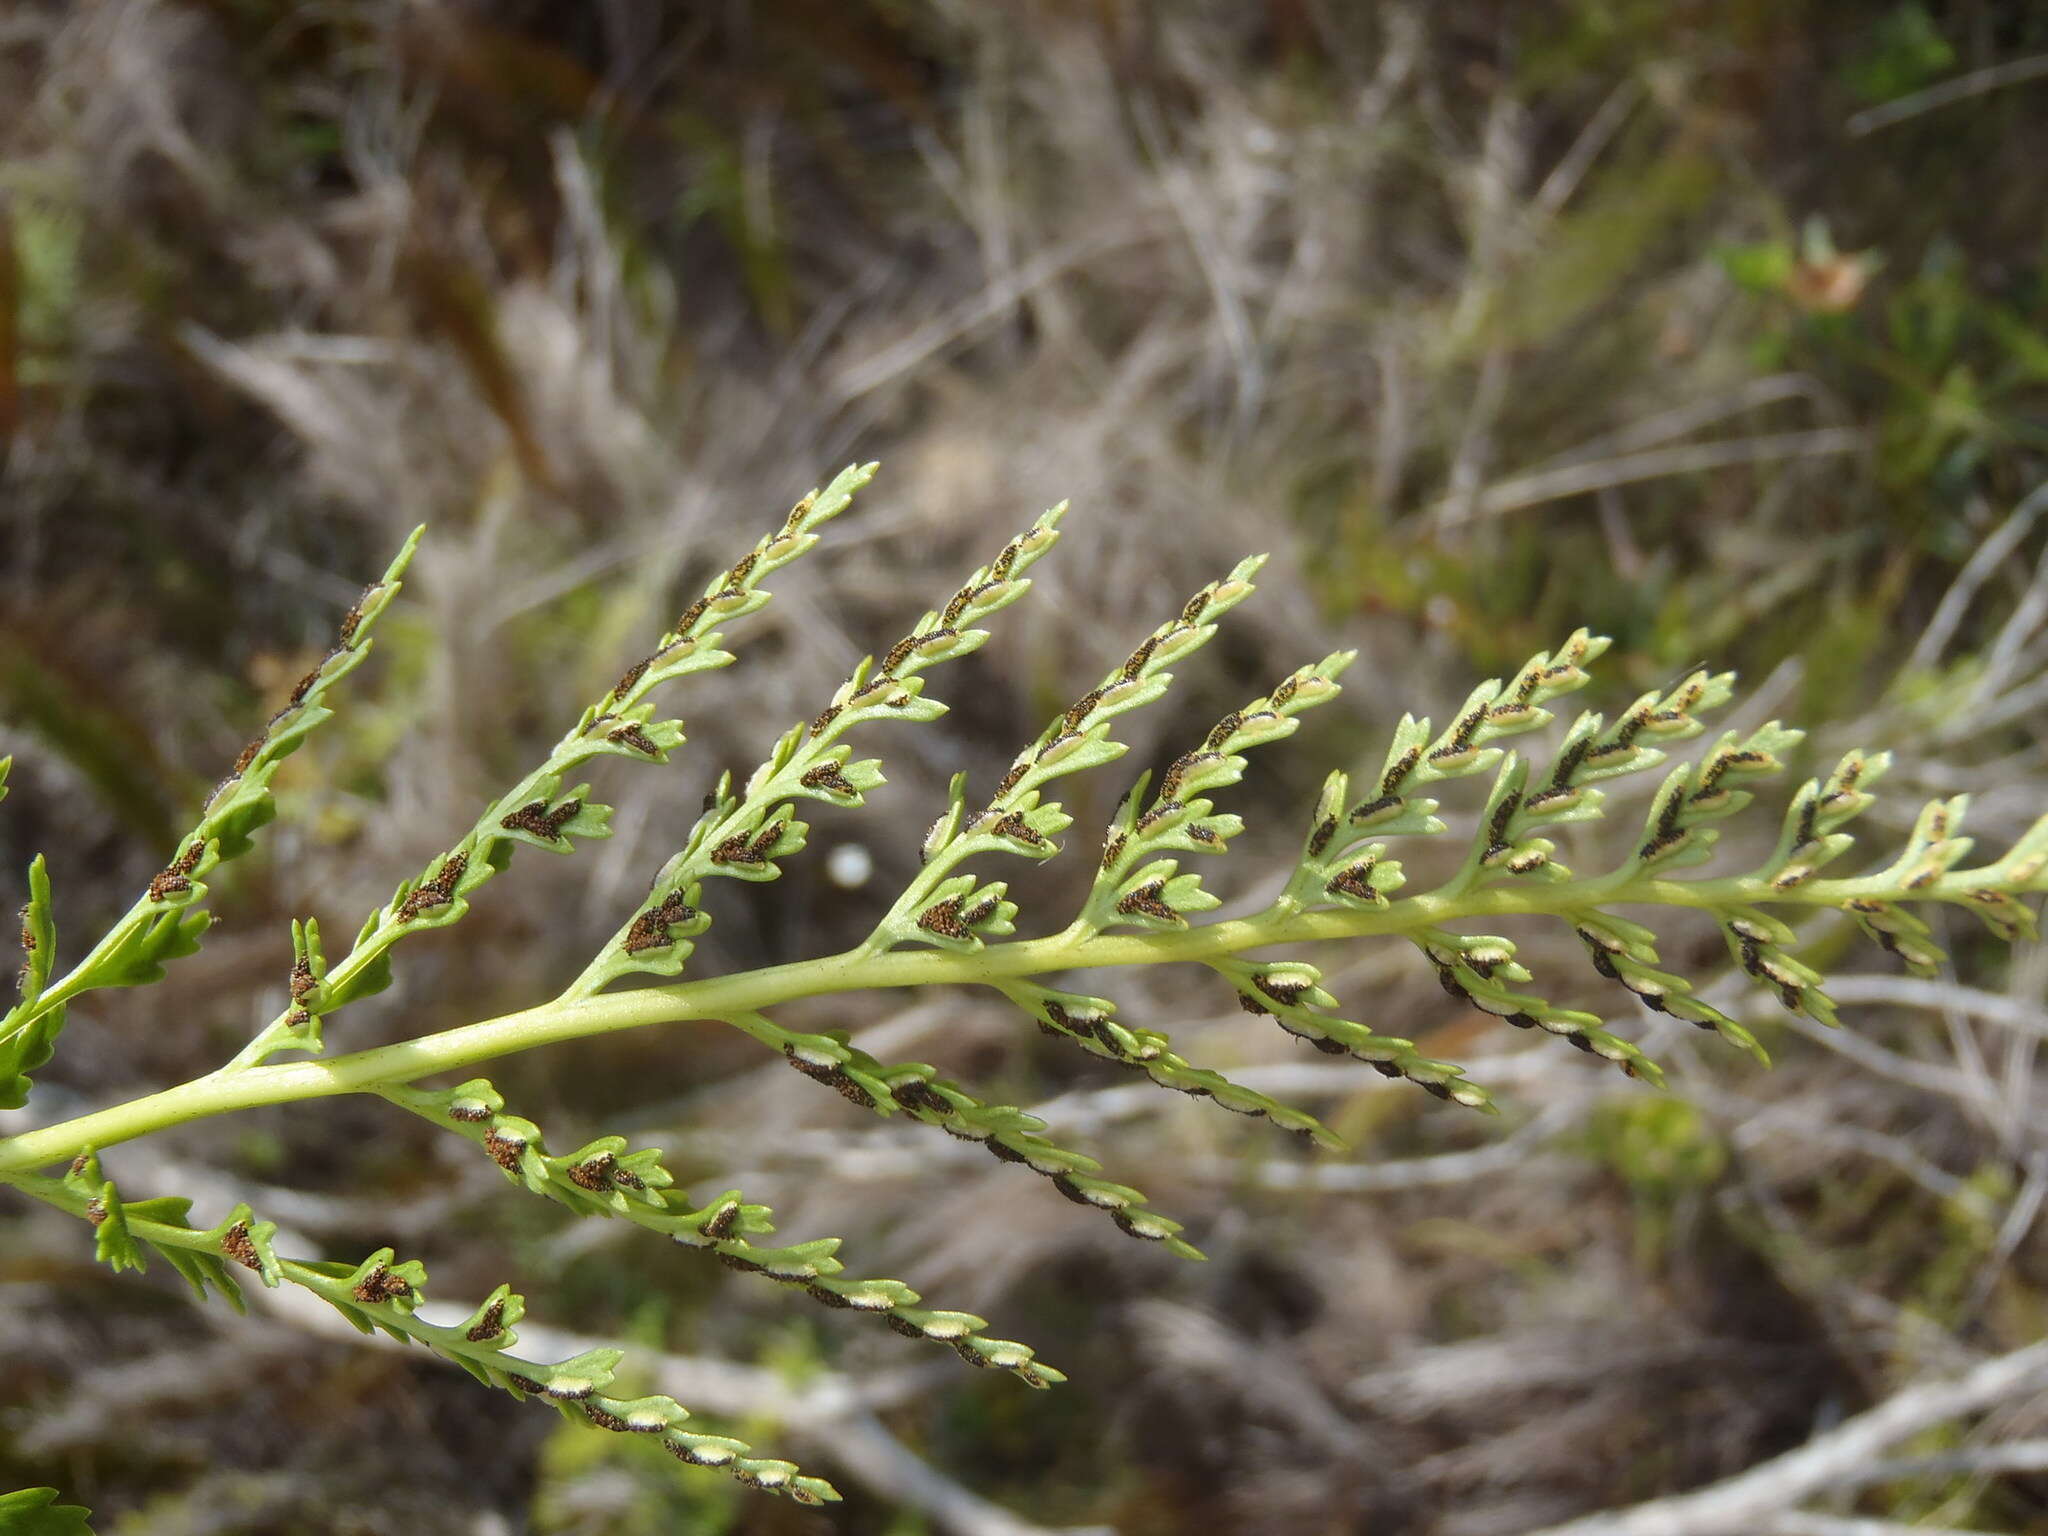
(575, 1018)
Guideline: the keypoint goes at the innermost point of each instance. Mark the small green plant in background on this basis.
(1666, 1152)
(36, 1512)
(955, 925)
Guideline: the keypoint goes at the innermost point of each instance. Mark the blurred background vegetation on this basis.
(1722, 328)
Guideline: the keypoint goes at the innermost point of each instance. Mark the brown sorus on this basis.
(489, 1326)
(236, 1244)
(437, 892)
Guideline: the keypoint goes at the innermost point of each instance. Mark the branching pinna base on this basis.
(954, 927)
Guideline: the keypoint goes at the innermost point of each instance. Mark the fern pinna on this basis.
(955, 924)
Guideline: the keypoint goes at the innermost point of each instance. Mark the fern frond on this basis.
(950, 926)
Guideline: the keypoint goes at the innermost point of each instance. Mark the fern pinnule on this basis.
(915, 1089)
(1089, 1023)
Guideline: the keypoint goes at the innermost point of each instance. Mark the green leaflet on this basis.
(1087, 1022)
(36, 1512)
(1009, 1134)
